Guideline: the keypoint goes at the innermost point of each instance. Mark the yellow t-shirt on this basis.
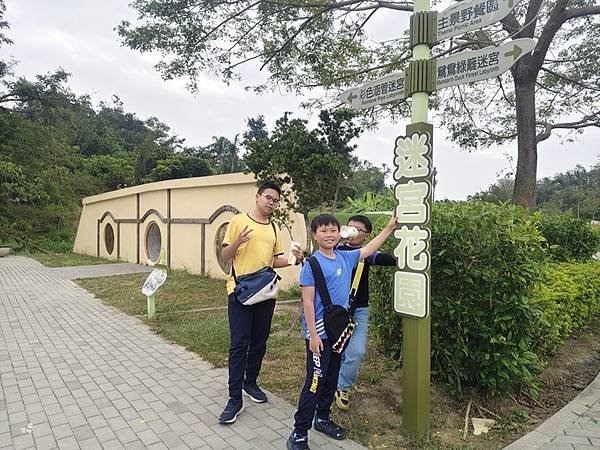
(258, 252)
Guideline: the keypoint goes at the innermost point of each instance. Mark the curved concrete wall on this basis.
(188, 213)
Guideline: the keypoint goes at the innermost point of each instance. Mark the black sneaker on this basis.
(297, 442)
(330, 428)
(231, 411)
(255, 393)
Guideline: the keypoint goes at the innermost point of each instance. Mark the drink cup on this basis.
(291, 257)
(347, 232)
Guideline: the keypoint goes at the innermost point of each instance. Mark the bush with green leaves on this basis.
(485, 261)
(567, 297)
(568, 238)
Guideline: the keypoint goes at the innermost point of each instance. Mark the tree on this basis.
(225, 155)
(4, 66)
(499, 192)
(316, 162)
(180, 166)
(307, 44)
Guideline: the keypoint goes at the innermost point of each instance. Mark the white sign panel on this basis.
(478, 65)
(378, 92)
(413, 161)
(472, 15)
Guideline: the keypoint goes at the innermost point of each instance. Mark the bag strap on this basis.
(320, 282)
(357, 277)
(274, 245)
(354, 289)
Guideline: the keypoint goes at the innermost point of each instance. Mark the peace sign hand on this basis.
(244, 235)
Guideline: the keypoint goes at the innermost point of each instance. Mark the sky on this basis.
(79, 36)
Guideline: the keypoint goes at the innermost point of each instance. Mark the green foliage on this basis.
(55, 148)
(567, 297)
(485, 261)
(575, 192)
(568, 238)
(317, 162)
(381, 201)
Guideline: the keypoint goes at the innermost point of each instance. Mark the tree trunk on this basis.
(525, 178)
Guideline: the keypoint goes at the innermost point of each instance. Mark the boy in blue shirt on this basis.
(323, 365)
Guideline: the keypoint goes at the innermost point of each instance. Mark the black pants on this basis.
(319, 388)
(249, 327)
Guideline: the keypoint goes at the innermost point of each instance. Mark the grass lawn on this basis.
(375, 415)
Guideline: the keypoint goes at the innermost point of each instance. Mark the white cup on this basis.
(347, 232)
(291, 257)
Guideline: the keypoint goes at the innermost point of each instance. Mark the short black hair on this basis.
(324, 220)
(269, 185)
(364, 220)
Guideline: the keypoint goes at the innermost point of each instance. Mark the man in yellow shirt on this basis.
(252, 242)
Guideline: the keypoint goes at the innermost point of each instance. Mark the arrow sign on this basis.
(478, 65)
(378, 92)
(472, 15)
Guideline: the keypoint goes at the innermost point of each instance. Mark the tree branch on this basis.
(573, 13)
(569, 80)
(592, 120)
(289, 40)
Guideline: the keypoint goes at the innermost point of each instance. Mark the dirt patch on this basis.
(375, 416)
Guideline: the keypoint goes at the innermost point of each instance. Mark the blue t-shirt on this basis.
(338, 278)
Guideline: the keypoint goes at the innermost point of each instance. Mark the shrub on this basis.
(568, 238)
(485, 261)
(567, 297)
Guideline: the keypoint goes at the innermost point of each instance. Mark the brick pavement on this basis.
(75, 373)
(576, 426)
(99, 270)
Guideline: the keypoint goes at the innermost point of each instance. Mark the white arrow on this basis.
(471, 15)
(468, 67)
(384, 90)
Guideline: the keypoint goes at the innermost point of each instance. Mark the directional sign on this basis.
(472, 15)
(378, 92)
(467, 67)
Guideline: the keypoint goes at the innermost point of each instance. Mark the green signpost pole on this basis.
(413, 158)
(416, 332)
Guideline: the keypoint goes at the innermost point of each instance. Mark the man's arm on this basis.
(378, 240)
(282, 261)
(384, 259)
(229, 251)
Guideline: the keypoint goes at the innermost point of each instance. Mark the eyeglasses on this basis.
(270, 199)
(364, 231)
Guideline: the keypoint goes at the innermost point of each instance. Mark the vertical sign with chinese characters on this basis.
(414, 192)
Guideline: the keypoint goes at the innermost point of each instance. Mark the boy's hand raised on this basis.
(393, 223)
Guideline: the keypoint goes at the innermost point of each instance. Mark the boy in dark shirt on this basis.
(355, 352)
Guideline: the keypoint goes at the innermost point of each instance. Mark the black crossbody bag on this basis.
(339, 324)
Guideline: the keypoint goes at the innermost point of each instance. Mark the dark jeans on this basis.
(320, 385)
(249, 327)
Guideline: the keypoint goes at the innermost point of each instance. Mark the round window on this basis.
(153, 242)
(109, 238)
(220, 235)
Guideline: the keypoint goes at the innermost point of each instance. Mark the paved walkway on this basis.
(75, 373)
(576, 426)
(100, 270)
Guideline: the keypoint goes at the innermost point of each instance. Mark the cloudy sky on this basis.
(79, 36)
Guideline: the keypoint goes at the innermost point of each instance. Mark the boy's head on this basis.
(364, 227)
(326, 230)
(267, 197)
